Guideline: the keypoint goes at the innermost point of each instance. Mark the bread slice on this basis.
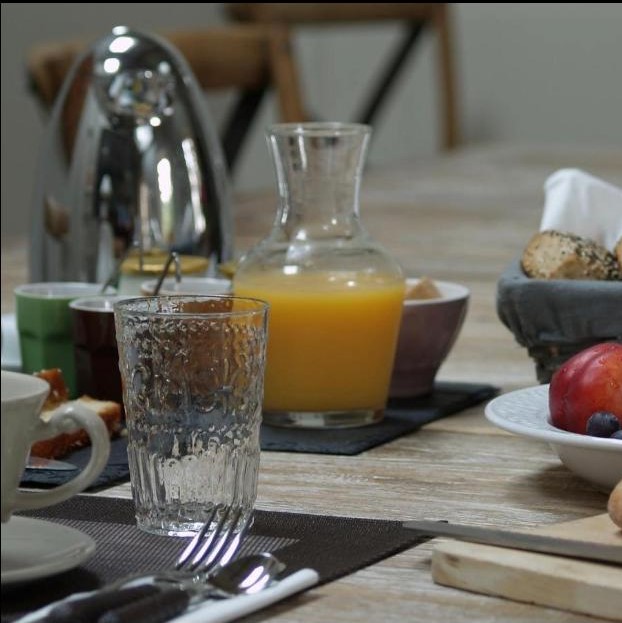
(60, 445)
(59, 392)
(557, 255)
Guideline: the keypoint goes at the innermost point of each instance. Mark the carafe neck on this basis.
(318, 170)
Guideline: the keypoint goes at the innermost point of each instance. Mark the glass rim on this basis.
(318, 129)
(94, 303)
(52, 290)
(125, 306)
(219, 286)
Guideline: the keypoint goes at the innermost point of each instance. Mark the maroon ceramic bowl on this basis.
(428, 330)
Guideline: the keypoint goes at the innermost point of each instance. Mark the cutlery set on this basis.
(169, 596)
(205, 569)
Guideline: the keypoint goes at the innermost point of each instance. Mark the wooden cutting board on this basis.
(568, 584)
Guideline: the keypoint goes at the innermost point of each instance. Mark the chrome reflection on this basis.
(130, 159)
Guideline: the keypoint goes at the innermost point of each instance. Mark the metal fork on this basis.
(203, 554)
(207, 551)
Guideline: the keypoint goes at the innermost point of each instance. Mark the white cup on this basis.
(23, 396)
(188, 285)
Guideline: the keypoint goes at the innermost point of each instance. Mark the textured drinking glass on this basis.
(193, 370)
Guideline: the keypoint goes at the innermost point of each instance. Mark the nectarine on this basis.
(589, 381)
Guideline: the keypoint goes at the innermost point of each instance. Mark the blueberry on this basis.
(602, 424)
(617, 434)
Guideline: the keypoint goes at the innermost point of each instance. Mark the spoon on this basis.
(168, 597)
(246, 575)
(241, 577)
(38, 462)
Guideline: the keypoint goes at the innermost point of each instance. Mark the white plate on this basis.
(11, 357)
(34, 549)
(526, 412)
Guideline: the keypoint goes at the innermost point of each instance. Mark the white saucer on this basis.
(34, 549)
(526, 412)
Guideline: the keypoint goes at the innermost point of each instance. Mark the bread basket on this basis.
(556, 318)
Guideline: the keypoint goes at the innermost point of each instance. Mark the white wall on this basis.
(527, 72)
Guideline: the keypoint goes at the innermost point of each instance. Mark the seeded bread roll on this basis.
(557, 255)
(618, 252)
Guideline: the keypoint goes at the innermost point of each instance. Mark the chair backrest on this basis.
(248, 58)
(418, 16)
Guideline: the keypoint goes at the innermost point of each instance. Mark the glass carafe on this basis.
(335, 295)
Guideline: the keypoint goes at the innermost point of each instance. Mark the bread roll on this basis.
(425, 288)
(556, 255)
(614, 507)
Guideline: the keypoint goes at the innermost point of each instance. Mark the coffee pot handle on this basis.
(65, 419)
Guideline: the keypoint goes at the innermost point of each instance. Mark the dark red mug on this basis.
(95, 347)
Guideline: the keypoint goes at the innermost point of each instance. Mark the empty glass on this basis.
(193, 371)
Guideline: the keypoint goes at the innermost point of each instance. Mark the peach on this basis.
(589, 381)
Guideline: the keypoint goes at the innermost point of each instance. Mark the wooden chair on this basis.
(417, 17)
(248, 58)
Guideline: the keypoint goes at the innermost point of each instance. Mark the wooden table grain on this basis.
(461, 218)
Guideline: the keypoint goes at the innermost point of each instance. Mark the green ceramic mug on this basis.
(45, 328)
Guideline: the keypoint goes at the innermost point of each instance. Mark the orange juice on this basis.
(331, 338)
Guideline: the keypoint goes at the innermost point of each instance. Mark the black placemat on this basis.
(333, 546)
(403, 415)
(116, 470)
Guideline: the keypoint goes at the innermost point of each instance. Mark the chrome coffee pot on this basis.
(130, 160)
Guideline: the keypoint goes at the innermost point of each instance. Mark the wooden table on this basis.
(460, 218)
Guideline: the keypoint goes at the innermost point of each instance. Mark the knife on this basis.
(37, 462)
(520, 540)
